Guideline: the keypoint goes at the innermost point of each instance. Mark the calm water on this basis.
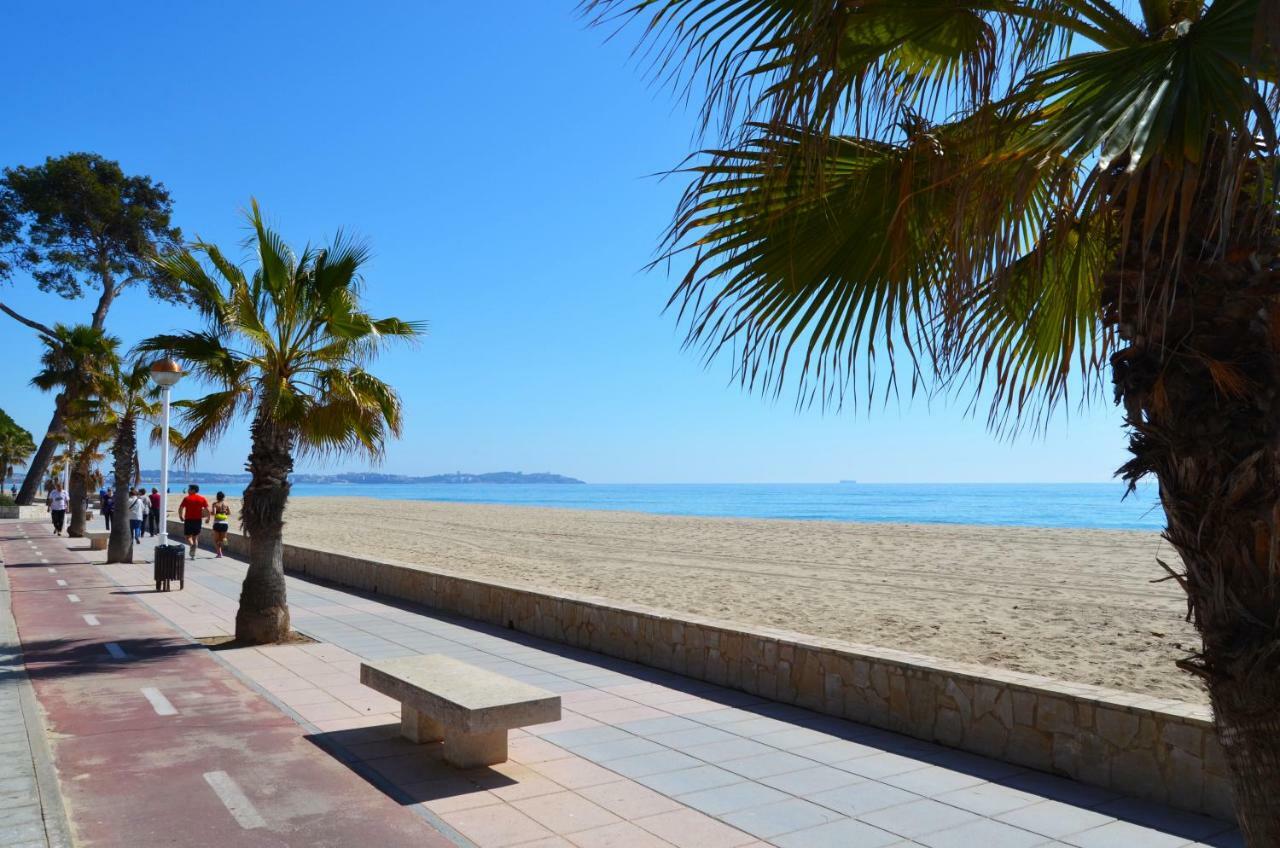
(1097, 505)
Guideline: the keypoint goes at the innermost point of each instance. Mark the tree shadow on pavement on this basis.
(59, 658)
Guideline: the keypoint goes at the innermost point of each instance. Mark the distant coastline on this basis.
(457, 478)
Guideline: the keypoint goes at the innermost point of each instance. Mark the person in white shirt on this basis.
(56, 506)
(139, 506)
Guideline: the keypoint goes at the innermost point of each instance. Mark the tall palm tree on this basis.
(1015, 195)
(287, 346)
(77, 363)
(135, 397)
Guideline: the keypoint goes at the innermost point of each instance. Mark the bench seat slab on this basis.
(460, 697)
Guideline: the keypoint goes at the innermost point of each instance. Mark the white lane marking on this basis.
(75, 599)
(60, 582)
(159, 702)
(116, 652)
(231, 796)
(91, 620)
(53, 571)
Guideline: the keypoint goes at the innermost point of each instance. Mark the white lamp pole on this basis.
(165, 373)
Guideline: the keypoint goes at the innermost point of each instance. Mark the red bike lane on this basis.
(157, 743)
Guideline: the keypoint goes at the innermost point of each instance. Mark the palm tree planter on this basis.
(1019, 196)
(286, 346)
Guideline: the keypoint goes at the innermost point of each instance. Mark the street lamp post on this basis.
(165, 373)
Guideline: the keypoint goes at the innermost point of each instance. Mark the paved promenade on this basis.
(155, 742)
(642, 757)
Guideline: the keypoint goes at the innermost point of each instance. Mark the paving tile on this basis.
(575, 772)
(495, 826)
(809, 781)
(837, 751)
(918, 818)
(932, 781)
(565, 812)
(654, 726)
(689, 737)
(723, 716)
(692, 829)
(843, 833)
(727, 799)
(757, 726)
(448, 795)
(781, 817)
(792, 738)
(1119, 834)
(531, 749)
(983, 832)
(734, 749)
(879, 766)
(1054, 819)
(632, 746)
(768, 764)
(988, 799)
(863, 798)
(689, 780)
(628, 799)
(620, 835)
(586, 736)
(656, 762)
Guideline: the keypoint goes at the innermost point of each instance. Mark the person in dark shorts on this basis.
(56, 505)
(193, 511)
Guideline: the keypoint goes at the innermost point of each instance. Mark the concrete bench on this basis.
(469, 708)
(98, 539)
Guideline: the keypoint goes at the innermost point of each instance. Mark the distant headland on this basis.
(458, 477)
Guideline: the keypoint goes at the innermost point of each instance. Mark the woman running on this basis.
(221, 522)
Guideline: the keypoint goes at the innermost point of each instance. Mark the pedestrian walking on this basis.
(139, 506)
(221, 522)
(56, 506)
(153, 519)
(108, 506)
(193, 511)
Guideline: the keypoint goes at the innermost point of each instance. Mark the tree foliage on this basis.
(943, 182)
(78, 222)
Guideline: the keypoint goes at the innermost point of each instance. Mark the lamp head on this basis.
(165, 372)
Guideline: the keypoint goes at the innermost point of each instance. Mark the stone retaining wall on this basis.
(1147, 747)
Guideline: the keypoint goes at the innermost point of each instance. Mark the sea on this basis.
(1090, 505)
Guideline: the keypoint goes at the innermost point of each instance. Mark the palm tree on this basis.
(287, 346)
(16, 445)
(135, 397)
(86, 429)
(1015, 195)
(77, 363)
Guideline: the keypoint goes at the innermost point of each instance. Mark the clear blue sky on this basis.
(497, 156)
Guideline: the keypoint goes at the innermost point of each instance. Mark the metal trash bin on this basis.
(170, 564)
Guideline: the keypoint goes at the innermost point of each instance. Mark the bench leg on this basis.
(468, 750)
(417, 727)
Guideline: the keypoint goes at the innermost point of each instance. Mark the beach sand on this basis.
(1077, 605)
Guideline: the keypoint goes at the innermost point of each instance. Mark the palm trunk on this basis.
(123, 451)
(79, 490)
(263, 616)
(1199, 378)
(39, 466)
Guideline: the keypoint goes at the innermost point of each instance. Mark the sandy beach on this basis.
(1077, 605)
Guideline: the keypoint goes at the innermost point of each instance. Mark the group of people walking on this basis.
(143, 510)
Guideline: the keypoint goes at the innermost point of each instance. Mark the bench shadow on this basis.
(407, 772)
